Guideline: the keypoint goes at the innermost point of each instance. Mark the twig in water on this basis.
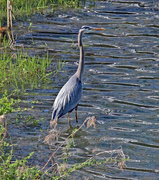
(57, 149)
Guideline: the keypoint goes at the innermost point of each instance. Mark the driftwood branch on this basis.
(9, 22)
(3, 30)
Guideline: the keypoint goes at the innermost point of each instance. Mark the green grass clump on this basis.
(21, 72)
(6, 104)
(69, 3)
(11, 168)
(22, 8)
(18, 169)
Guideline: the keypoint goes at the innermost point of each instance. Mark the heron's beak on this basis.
(98, 29)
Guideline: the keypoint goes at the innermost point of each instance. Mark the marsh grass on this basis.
(10, 168)
(23, 8)
(21, 71)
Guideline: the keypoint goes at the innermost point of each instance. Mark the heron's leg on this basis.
(76, 114)
(69, 118)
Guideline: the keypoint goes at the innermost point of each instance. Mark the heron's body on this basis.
(70, 94)
(68, 97)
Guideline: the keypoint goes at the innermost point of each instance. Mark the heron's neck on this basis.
(80, 69)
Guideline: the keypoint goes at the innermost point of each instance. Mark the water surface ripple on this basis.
(121, 84)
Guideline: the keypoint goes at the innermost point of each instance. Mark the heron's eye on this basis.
(86, 27)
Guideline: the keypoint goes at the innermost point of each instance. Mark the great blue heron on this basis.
(70, 94)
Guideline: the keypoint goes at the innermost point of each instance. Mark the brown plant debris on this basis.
(61, 168)
(117, 156)
(91, 121)
(120, 159)
(5, 125)
(53, 135)
(53, 123)
(9, 22)
(1, 118)
(3, 32)
(95, 150)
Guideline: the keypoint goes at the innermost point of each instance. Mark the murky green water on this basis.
(121, 85)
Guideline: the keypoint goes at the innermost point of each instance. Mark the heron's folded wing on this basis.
(68, 97)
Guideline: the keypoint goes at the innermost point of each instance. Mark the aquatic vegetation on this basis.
(27, 120)
(11, 168)
(61, 168)
(22, 8)
(20, 71)
(25, 7)
(6, 104)
(17, 169)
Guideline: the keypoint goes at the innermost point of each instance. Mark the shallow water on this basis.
(121, 85)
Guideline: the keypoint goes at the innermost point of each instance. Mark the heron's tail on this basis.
(54, 119)
(53, 114)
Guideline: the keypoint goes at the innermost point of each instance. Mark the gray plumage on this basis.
(68, 97)
(70, 94)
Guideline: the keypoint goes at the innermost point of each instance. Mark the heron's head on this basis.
(89, 29)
